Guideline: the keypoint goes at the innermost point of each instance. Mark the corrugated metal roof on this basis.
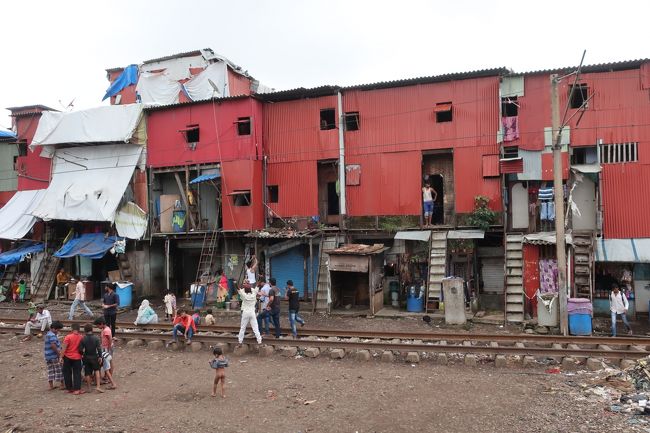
(202, 101)
(597, 67)
(28, 109)
(359, 249)
(299, 93)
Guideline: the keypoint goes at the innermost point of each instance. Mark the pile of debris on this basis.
(628, 390)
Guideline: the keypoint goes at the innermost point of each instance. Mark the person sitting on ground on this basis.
(209, 318)
(91, 355)
(146, 315)
(52, 352)
(219, 364)
(184, 324)
(43, 320)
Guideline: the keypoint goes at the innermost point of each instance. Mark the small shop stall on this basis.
(356, 275)
(16, 266)
(410, 267)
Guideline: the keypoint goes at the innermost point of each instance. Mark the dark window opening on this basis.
(241, 198)
(22, 148)
(244, 126)
(327, 119)
(272, 192)
(579, 96)
(352, 121)
(192, 134)
(15, 160)
(443, 112)
(509, 106)
(332, 199)
(584, 155)
(510, 152)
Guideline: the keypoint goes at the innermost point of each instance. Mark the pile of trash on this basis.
(628, 391)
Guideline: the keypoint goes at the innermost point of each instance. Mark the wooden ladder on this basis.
(207, 255)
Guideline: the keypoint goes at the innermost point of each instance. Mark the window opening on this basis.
(272, 193)
(241, 198)
(192, 133)
(22, 148)
(244, 126)
(580, 95)
(327, 119)
(619, 153)
(509, 106)
(584, 155)
(443, 112)
(332, 199)
(352, 121)
(510, 152)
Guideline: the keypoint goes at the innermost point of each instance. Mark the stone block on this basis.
(627, 363)
(135, 343)
(529, 361)
(362, 355)
(240, 350)
(569, 363)
(312, 352)
(196, 346)
(413, 357)
(441, 359)
(470, 360)
(223, 346)
(594, 364)
(337, 354)
(156, 344)
(500, 361)
(266, 351)
(387, 356)
(289, 351)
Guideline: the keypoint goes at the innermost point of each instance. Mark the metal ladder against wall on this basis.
(7, 278)
(437, 264)
(514, 299)
(583, 249)
(324, 284)
(207, 254)
(45, 277)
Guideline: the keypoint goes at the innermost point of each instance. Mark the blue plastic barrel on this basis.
(126, 295)
(179, 221)
(580, 324)
(414, 304)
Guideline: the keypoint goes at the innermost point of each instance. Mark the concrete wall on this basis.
(9, 177)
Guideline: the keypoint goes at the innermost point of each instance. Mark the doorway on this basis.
(438, 171)
(328, 192)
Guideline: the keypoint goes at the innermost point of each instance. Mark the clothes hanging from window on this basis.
(548, 276)
(510, 128)
(547, 211)
(545, 194)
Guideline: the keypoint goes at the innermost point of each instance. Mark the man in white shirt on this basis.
(79, 298)
(618, 305)
(264, 318)
(43, 319)
(248, 297)
(251, 268)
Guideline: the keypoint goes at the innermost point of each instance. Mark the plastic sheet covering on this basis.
(91, 245)
(15, 218)
(128, 77)
(109, 124)
(157, 88)
(623, 250)
(17, 255)
(199, 87)
(88, 182)
(131, 221)
(414, 235)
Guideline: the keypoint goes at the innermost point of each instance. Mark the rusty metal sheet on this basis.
(353, 174)
(360, 249)
(349, 263)
(514, 165)
(491, 165)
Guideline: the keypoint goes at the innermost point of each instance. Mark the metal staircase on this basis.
(207, 255)
(322, 302)
(45, 277)
(437, 264)
(583, 250)
(514, 298)
(8, 275)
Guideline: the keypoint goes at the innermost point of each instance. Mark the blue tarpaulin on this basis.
(127, 78)
(205, 177)
(91, 245)
(6, 134)
(14, 256)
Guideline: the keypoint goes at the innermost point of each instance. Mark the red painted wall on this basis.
(238, 84)
(547, 166)
(242, 175)
(33, 171)
(297, 188)
(128, 93)
(469, 181)
(531, 276)
(5, 196)
(218, 139)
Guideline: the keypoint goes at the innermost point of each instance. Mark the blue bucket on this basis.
(125, 294)
(414, 304)
(580, 324)
(179, 221)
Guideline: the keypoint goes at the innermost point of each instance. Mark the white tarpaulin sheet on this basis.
(465, 234)
(545, 238)
(199, 87)
(15, 217)
(131, 221)
(88, 182)
(158, 88)
(422, 235)
(623, 250)
(110, 124)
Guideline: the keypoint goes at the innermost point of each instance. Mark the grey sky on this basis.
(58, 50)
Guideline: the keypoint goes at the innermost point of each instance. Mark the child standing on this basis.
(170, 305)
(52, 352)
(219, 364)
(22, 289)
(91, 353)
(209, 318)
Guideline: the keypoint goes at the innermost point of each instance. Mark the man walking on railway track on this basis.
(79, 298)
(274, 307)
(293, 296)
(618, 306)
(110, 302)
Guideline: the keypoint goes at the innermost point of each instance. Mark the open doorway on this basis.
(328, 192)
(438, 171)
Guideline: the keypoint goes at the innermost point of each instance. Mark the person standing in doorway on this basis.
(429, 196)
(79, 298)
(71, 358)
(110, 302)
(618, 305)
(293, 296)
(248, 297)
(273, 307)
(251, 269)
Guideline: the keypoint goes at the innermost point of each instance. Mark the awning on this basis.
(417, 235)
(445, 106)
(15, 217)
(12, 257)
(545, 238)
(623, 250)
(465, 234)
(206, 177)
(7, 134)
(91, 245)
(587, 168)
(131, 221)
(108, 124)
(88, 182)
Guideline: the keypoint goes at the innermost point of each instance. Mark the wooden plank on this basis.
(348, 263)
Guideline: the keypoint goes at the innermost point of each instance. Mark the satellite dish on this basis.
(214, 87)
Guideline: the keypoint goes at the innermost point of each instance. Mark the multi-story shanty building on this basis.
(233, 170)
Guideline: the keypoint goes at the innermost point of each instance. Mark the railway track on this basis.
(403, 342)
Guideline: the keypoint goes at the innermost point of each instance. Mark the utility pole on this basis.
(560, 242)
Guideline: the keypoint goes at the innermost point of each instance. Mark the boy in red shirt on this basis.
(72, 361)
(185, 324)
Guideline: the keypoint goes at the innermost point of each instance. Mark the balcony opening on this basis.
(327, 119)
(579, 96)
(272, 193)
(244, 126)
(191, 133)
(352, 121)
(443, 112)
(241, 198)
(509, 106)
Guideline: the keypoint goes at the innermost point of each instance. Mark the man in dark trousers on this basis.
(109, 304)
(273, 306)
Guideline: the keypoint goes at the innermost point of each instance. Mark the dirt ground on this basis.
(163, 391)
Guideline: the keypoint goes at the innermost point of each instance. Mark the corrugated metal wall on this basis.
(626, 200)
(469, 180)
(238, 176)
(297, 188)
(290, 265)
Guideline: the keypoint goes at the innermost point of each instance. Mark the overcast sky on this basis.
(58, 50)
